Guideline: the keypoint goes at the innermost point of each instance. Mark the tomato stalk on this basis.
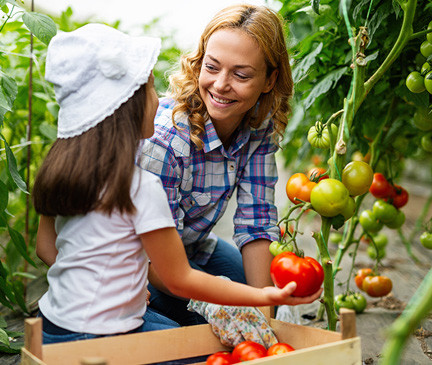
(321, 239)
(407, 245)
(421, 218)
(418, 308)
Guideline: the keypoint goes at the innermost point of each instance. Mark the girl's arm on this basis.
(168, 257)
(45, 240)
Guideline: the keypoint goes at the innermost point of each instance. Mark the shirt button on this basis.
(231, 167)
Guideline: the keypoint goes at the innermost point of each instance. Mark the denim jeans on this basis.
(152, 321)
(226, 260)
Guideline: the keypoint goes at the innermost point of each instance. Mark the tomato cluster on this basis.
(305, 271)
(377, 248)
(416, 81)
(374, 285)
(386, 209)
(331, 197)
(352, 300)
(247, 350)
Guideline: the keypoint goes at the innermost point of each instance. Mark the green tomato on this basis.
(422, 119)
(369, 222)
(415, 82)
(426, 68)
(398, 221)
(349, 209)
(372, 252)
(335, 237)
(329, 197)
(357, 176)
(342, 301)
(276, 248)
(384, 212)
(426, 49)
(426, 240)
(426, 142)
(428, 82)
(380, 240)
(359, 302)
(319, 137)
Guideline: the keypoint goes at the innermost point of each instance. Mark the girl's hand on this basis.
(283, 296)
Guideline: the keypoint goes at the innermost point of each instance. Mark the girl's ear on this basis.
(271, 81)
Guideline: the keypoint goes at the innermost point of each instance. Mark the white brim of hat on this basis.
(108, 75)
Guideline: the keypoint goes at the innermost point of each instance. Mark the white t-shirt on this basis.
(98, 283)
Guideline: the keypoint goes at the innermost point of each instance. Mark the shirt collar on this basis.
(211, 139)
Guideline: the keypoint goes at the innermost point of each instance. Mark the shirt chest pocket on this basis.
(196, 203)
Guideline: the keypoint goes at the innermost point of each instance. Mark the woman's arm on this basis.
(168, 257)
(45, 240)
(256, 263)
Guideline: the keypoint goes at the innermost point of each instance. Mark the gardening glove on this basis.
(233, 324)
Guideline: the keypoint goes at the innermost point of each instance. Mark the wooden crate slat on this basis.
(139, 348)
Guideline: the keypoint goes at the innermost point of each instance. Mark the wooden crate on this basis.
(313, 346)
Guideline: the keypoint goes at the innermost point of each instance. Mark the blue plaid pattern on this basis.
(200, 183)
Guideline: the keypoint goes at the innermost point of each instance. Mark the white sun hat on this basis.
(95, 69)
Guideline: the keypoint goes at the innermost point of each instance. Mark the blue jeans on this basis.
(152, 321)
(226, 260)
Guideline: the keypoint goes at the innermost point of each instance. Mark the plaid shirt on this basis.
(199, 183)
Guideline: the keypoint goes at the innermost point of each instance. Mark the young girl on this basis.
(216, 135)
(103, 219)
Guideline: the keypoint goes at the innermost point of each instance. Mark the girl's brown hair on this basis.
(93, 170)
(266, 28)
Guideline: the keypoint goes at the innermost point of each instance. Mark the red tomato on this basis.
(279, 348)
(399, 196)
(306, 272)
(248, 350)
(377, 286)
(220, 358)
(380, 187)
(316, 172)
(361, 274)
(299, 187)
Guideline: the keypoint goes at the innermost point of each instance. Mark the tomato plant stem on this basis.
(321, 239)
(417, 309)
(407, 245)
(405, 34)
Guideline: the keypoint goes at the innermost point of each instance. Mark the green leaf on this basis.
(3, 271)
(324, 85)
(18, 289)
(12, 165)
(338, 221)
(48, 131)
(9, 89)
(300, 70)
(2, 3)
(4, 338)
(41, 25)
(19, 243)
(13, 348)
(3, 323)
(4, 195)
(6, 290)
(53, 108)
(419, 99)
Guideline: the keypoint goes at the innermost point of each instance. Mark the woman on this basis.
(218, 132)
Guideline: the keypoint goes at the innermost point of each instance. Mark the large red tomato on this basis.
(220, 358)
(305, 271)
(248, 350)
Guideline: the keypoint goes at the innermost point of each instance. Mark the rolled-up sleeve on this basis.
(256, 214)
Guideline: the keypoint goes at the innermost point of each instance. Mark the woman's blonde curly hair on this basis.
(266, 27)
